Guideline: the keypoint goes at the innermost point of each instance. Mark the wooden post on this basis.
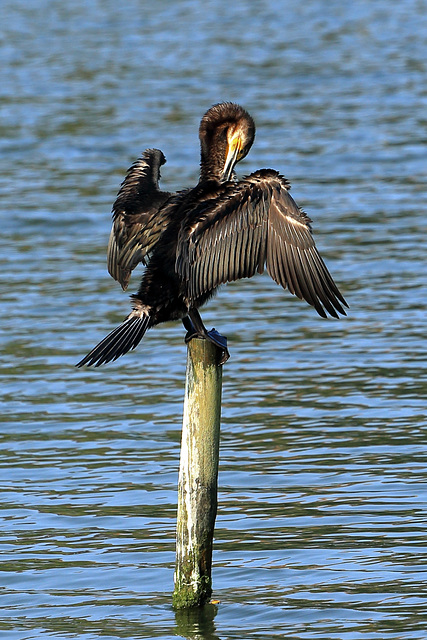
(198, 475)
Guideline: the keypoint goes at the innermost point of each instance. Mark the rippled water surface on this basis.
(321, 530)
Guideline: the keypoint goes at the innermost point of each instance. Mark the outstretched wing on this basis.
(249, 225)
(137, 218)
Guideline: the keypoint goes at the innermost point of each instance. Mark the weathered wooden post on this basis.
(198, 475)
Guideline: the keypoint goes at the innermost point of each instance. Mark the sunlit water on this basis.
(321, 530)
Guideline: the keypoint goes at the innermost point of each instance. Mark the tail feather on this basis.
(118, 342)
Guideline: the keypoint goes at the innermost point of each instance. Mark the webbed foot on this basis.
(221, 343)
(213, 336)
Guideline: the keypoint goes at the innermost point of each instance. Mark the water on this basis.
(321, 524)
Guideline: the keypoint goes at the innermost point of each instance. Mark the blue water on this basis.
(322, 486)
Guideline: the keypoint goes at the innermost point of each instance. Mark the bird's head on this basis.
(226, 134)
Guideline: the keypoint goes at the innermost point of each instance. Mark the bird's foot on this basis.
(221, 343)
(214, 337)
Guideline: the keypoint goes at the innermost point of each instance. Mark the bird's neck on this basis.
(210, 171)
(212, 158)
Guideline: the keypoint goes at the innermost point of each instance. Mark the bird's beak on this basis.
(234, 154)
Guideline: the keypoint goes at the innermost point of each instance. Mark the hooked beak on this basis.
(234, 154)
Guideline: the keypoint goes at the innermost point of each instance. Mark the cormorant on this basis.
(196, 239)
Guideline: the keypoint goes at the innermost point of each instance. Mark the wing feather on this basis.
(249, 225)
(320, 291)
(138, 216)
(290, 272)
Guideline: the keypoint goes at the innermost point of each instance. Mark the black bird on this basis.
(196, 239)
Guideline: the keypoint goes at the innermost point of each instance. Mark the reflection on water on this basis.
(321, 524)
(197, 624)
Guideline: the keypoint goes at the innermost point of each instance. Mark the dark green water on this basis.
(321, 531)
